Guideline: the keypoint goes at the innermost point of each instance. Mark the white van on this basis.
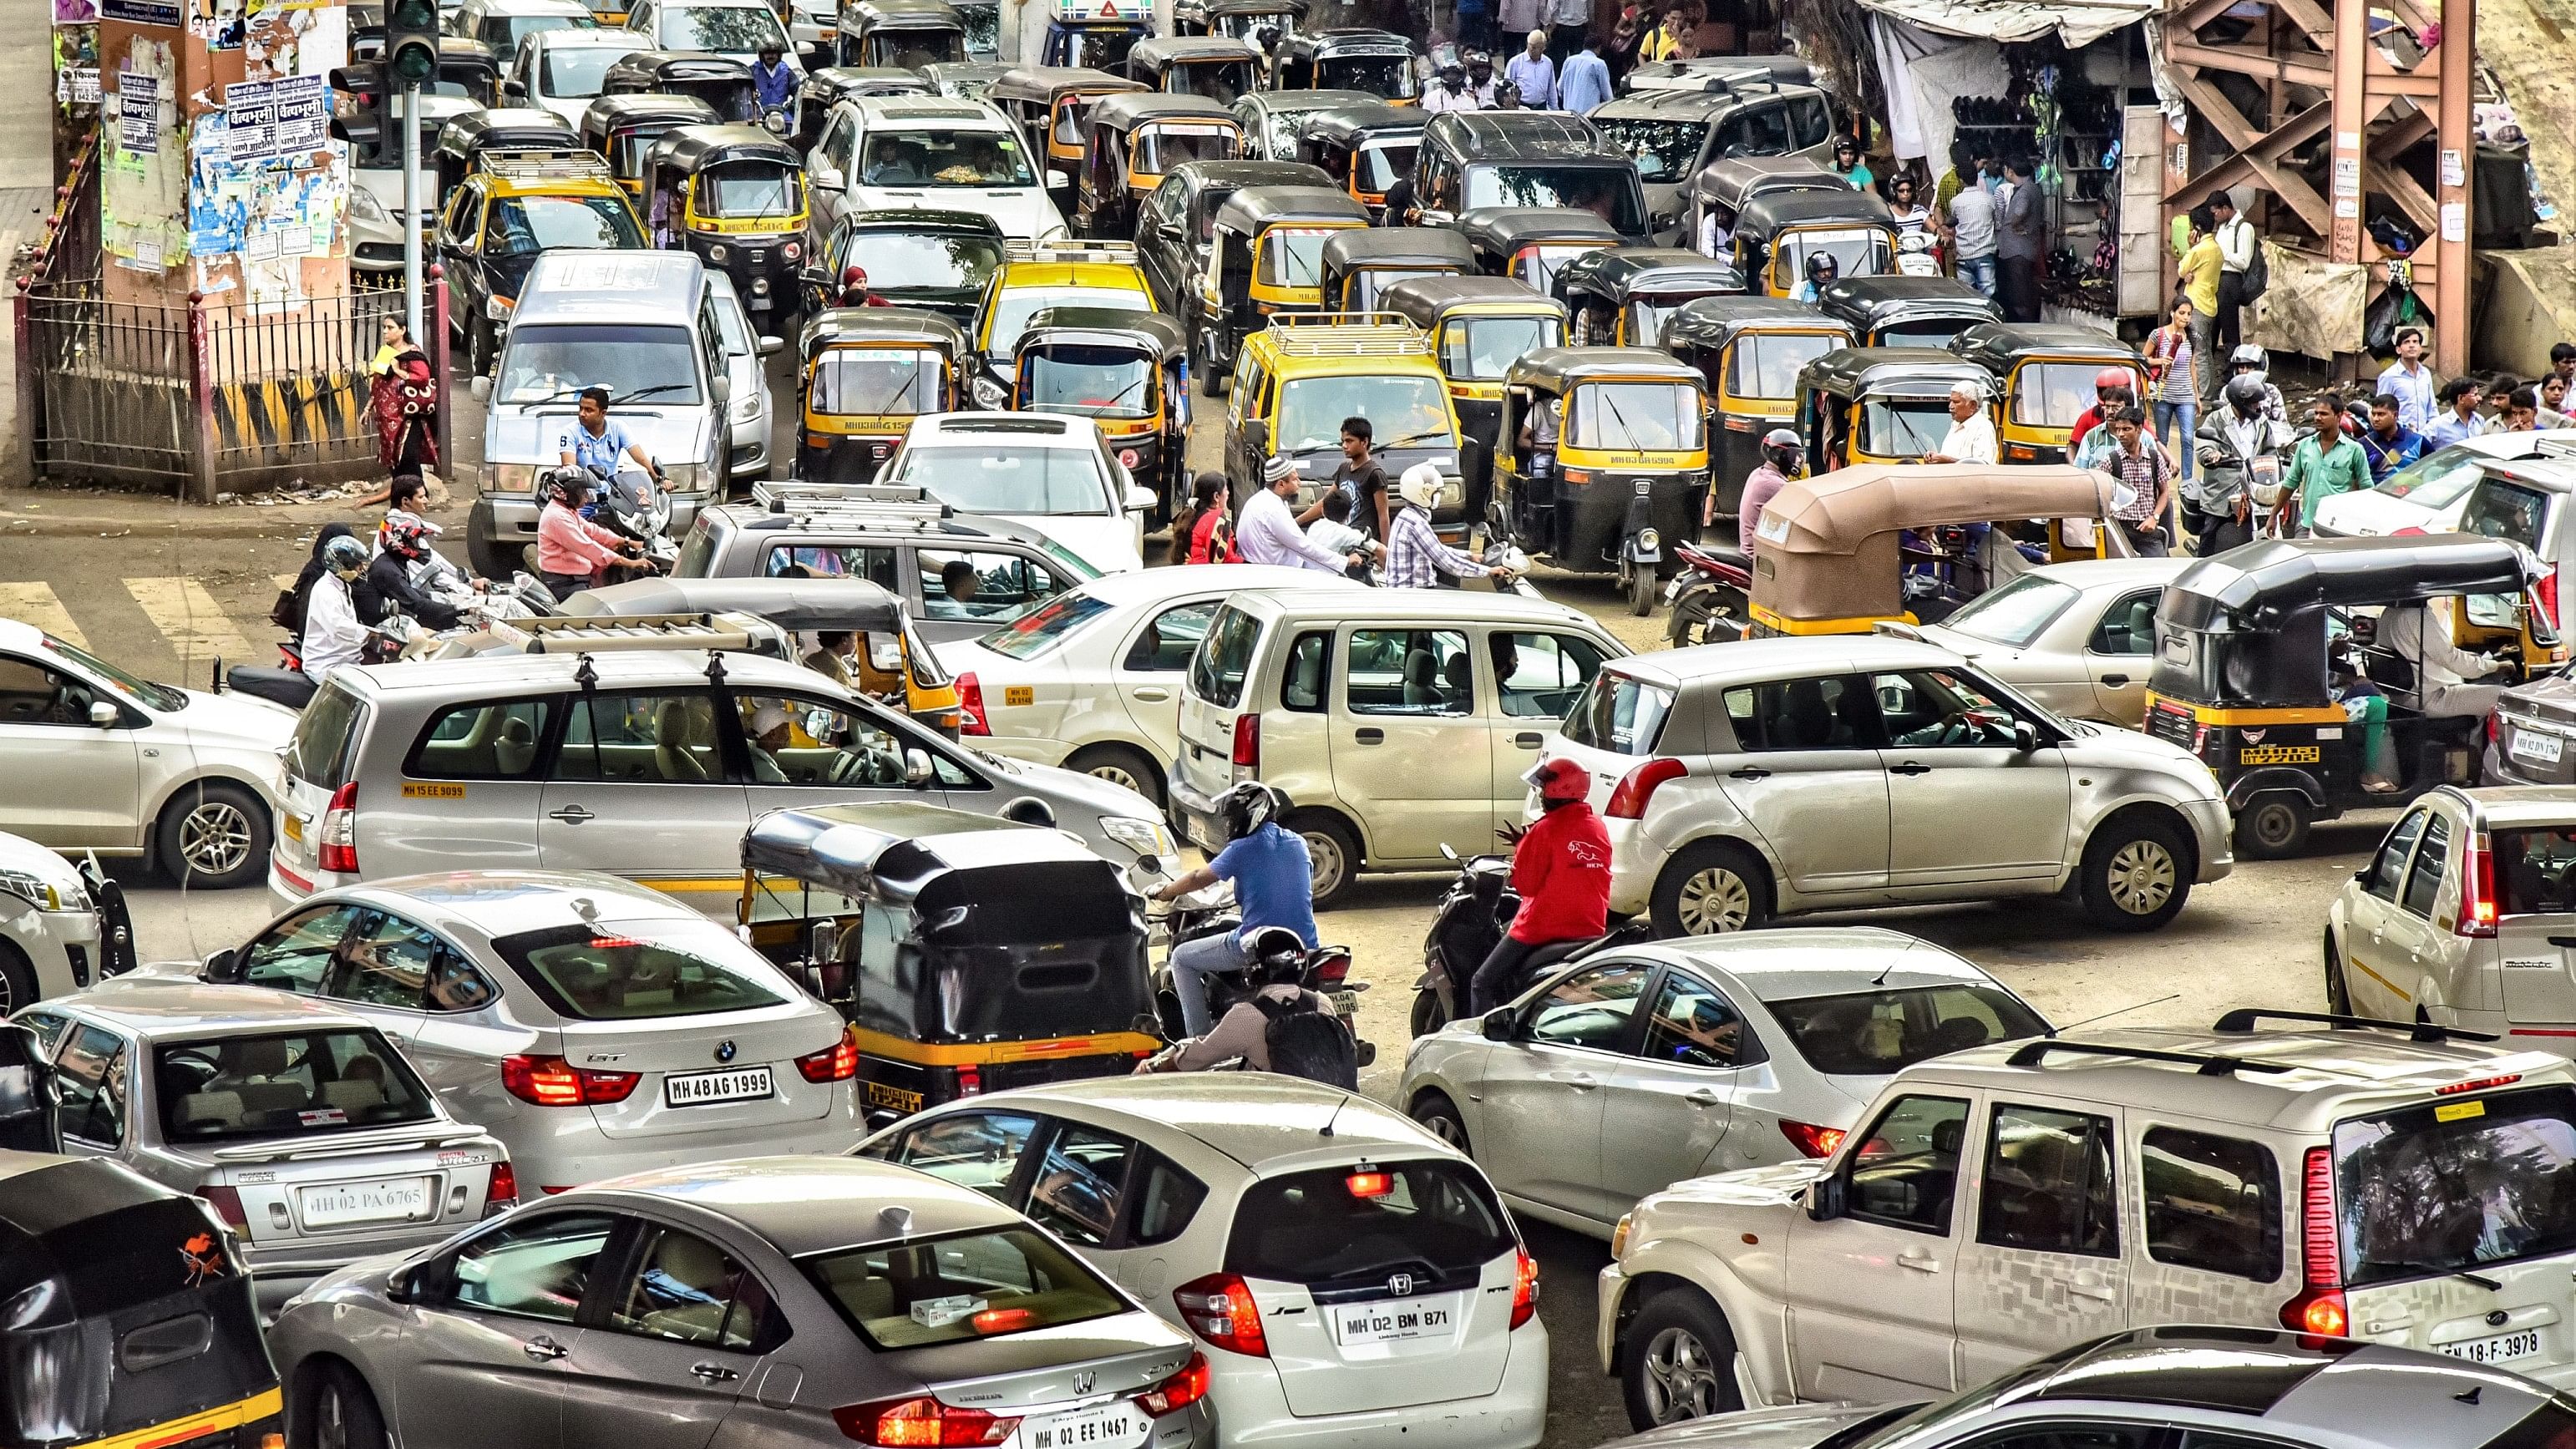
(914, 153)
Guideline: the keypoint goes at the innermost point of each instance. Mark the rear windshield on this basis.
(1043, 628)
(2452, 1186)
(974, 1285)
(1316, 1228)
(283, 1085)
(1217, 671)
(2016, 613)
(319, 754)
(2436, 480)
(2551, 1426)
(1766, 364)
(1876, 1033)
(636, 970)
(1619, 714)
(2498, 509)
(2536, 871)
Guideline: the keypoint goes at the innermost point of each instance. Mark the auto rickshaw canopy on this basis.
(507, 128)
(1730, 182)
(834, 84)
(1044, 85)
(1160, 54)
(902, 15)
(1145, 332)
(1619, 273)
(2253, 588)
(654, 70)
(1346, 127)
(1502, 231)
(1871, 304)
(1128, 110)
(1914, 372)
(901, 851)
(1557, 369)
(897, 326)
(1713, 322)
(1827, 545)
(1255, 209)
(1426, 302)
(1401, 246)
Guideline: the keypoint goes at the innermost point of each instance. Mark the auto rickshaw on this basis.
(1262, 22)
(1840, 553)
(1271, 119)
(472, 67)
(1748, 350)
(1267, 257)
(900, 34)
(938, 261)
(1130, 141)
(1049, 103)
(464, 141)
(1364, 148)
(1097, 34)
(1878, 404)
(823, 89)
(1221, 69)
(1630, 455)
(2043, 376)
(1359, 265)
(2244, 642)
(1479, 326)
(132, 1321)
(1777, 231)
(967, 81)
(1349, 58)
(1723, 186)
(1620, 296)
(863, 375)
(969, 954)
(1128, 372)
(1907, 311)
(1529, 243)
(734, 195)
(623, 128)
(725, 85)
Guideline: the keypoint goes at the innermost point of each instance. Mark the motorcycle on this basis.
(1711, 595)
(1914, 256)
(398, 636)
(1474, 914)
(635, 506)
(1209, 911)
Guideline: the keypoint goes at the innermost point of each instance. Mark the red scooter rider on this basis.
(1561, 870)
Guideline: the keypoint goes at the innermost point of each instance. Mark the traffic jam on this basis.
(832, 900)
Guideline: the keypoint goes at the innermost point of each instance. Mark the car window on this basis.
(654, 738)
(1905, 1173)
(1165, 645)
(1693, 1025)
(388, 964)
(2424, 880)
(1836, 712)
(980, 1150)
(89, 1082)
(2128, 626)
(1882, 1031)
(2388, 868)
(1618, 714)
(297, 953)
(2048, 1183)
(31, 694)
(831, 561)
(532, 1268)
(1303, 683)
(2066, 1434)
(48, 1027)
(2212, 1203)
(291, 1084)
(1590, 1008)
(1166, 1199)
(1076, 1194)
(992, 588)
(616, 970)
(685, 1289)
(980, 1284)
(1410, 672)
(1937, 709)
(2535, 870)
(800, 741)
(486, 740)
(1539, 676)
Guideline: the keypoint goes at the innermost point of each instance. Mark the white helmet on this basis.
(1420, 486)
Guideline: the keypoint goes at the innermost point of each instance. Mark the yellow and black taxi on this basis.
(1265, 260)
(2246, 642)
(1479, 327)
(1777, 233)
(1903, 311)
(900, 34)
(1034, 276)
(1305, 373)
(1221, 69)
(1050, 104)
(734, 196)
(1748, 351)
(1127, 371)
(1364, 148)
(2044, 376)
(1362, 262)
(1262, 22)
(514, 207)
(1380, 63)
(463, 141)
(1131, 141)
(623, 128)
(969, 954)
(1879, 404)
(1603, 451)
(1620, 296)
(863, 375)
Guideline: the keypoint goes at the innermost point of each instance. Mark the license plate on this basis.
(1110, 1425)
(388, 1200)
(295, 827)
(698, 1089)
(1395, 1320)
(1203, 832)
(1346, 1004)
(2497, 1348)
(2536, 747)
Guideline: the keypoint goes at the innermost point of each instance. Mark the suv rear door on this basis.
(2042, 1265)
(642, 787)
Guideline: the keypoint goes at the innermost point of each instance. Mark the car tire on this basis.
(491, 559)
(2275, 826)
(1120, 765)
(1711, 888)
(2338, 992)
(336, 1410)
(18, 988)
(2132, 876)
(1440, 1117)
(479, 347)
(1678, 1362)
(213, 835)
(1334, 851)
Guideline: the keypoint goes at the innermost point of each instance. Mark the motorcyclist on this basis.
(1274, 886)
(574, 553)
(1278, 962)
(774, 78)
(1561, 871)
(1480, 81)
(1783, 458)
(2240, 448)
(1415, 556)
(595, 441)
(2249, 360)
(1823, 268)
(386, 587)
(333, 636)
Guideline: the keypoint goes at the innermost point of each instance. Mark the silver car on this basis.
(594, 1026)
(2076, 638)
(778, 1301)
(299, 1124)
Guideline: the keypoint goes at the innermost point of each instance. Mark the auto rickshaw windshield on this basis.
(523, 225)
(1608, 194)
(948, 261)
(575, 72)
(1405, 410)
(944, 158)
(1482, 349)
(553, 362)
(1538, 265)
(1161, 148)
(1902, 427)
(1380, 164)
(1665, 150)
(1091, 381)
(873, 382)
(1636, 417)
(1224, 81)
(1390, 76)
(2053, 394)
(1646, 315)
(1014, 306)
(1857, 252)
(1766, 364)
(1293, 256)
(750, 189)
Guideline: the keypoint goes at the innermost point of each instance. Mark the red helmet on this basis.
(1559, 779)
(2111, 377)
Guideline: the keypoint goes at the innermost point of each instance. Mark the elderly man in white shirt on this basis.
(1266, 533)
(1972, 434)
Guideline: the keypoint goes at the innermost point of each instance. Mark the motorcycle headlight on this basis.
(514, 477)
(683, 477)
(989, 394)
(31, 890)
(1137, 835)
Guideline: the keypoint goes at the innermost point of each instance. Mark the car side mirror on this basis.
(402, 1285)
(1139, 499)
(1828, 1198)
(225, 968)
(2025, 736)
(916, 768)
(722, 388)
(772, 346)
(1058, 181)
(827, 178)
(513, 91)
(481, 387)
(103, 714)
(1498, 1024)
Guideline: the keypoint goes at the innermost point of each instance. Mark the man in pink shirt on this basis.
(1782, 458)
(574, 553)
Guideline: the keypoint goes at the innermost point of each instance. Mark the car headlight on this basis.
(989, 394)
(1137, 835)
(514, 477)
(34, 892)
(499, 308)
(365, 207)
(683, 477)
(754, 405)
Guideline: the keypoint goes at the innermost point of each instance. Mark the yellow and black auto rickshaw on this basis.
(1722, 187)
(1879, 404)
(465, 141)
(1222, 70)
(900, 34)
(1050, 104)
(1348, 58)
(1529, 243)
(1749, 351)
(1128, 372)
(2245, 643)
(723, 83)
(1479, 326)
(1263, 22)
(1620, 296)
(1360, 264)
(1902, 311)
(131, 1319)
(735, 196)
(1777, 232)
(1365, 148)
(2044, 377)
(1130, 141)
(1098, 34)
(1266, 257)
(1602, 453)
(969, 954)
(864, 373)
(623, 128)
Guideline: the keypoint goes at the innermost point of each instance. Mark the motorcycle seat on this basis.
(1716, 553)
(288, 687)
(1556, 953)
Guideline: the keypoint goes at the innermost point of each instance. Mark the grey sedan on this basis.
(769, 1301)
(2075, 637)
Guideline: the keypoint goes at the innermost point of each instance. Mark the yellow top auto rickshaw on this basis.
(1360, 264)
(863, 375)
(2044, 377)
(1879, 404)
(1128, 372)
(1529, 243)
(1776, 232)
(1364, 148)
(900, 34)
(1749, 351)
(1266, 258)
(1902, 311)
(734, 195)
(1049, 104)
(1479, 326)
(1218, 68)
(1130, 141)
(1603, 451)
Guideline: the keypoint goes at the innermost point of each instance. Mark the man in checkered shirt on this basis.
(1415, 556)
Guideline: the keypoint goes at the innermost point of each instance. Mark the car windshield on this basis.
(1044, 627)
(1390, 76)
(1091, 381)
(553, 362)
(1636, 417)
(519, 27)
(1903, 427)
(2452, 1186)
(1380, 164)
(724, 29)
(285, 1084)
(1405, 411)
(1484, 348)
(1857, 252)
(1010, 312)
(1292, 256)
(989, 1284)
(641, 970)
(134, 687)
(1160, 148)
(2015, 613)
(1010, 479)
(751, 189)
(2053, 394)
(1765, 365)
(1665, 150)
(903, 261)
(1334, 1227)
(944, 158)
(1878, 1033)
(574, 72)
(2436, 480)
(869, 382)
(524, 225)
(1612, 195)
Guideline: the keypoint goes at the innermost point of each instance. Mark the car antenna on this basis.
(1336, 1117)
(2123, 1011)
(715, 666)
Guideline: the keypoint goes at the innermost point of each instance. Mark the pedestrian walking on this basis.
(1585, 84)
(2146, 475)
(404, 398)
(2023, 242)
(2170, 381)
(1971, 230)
(1569, 31)
(1533, 74)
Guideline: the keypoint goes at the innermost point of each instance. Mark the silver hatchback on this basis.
(300, 1125)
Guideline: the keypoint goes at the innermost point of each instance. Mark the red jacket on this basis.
(1562, 871)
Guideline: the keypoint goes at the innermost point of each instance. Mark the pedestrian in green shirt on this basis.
(2318, 473)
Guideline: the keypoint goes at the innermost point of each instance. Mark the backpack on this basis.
(2257, 276)
(1306, 1041)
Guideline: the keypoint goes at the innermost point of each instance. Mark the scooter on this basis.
(1209, 911)
(635, 506)
(287, 684)
(1473, 915)
(1711, 596)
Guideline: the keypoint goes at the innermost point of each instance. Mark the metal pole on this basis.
(411, 209)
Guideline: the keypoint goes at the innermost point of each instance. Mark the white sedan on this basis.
(52, 933)
(2429, 494)
(1091, 680)
(1039, 470)
(2075, 637)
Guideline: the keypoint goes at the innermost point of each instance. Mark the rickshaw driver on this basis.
(2444, 672)
(1822, 270)
(1971, 438)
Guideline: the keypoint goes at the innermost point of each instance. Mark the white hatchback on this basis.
(1048, 472)
(1356, 1281)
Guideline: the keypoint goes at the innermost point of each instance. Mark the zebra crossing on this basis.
(191, 624)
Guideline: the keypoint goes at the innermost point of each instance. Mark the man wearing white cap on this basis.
(1415, 556)
(770, 731)
(1266, 533)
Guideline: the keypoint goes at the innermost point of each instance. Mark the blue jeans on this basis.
(2188, 413)
(1192, 961)
(1978, 272)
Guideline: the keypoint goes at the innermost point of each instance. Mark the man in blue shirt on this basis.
(1533, 74)
(596, 443)
(773, 77)
(2409, 381)
(2388, 443)
(1274, 885)
(1586, 82)
(2459, 420)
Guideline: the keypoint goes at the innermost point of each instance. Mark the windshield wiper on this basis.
(644, 392)
(1410, 439)
(1627, 435)
(2445, 1269)
(902, 386)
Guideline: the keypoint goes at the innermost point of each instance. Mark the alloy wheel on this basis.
(2141, 877)
(1681, 1377)
(1120, 775)
(1446, 1128)
(215, 837)
(330, 1419)
(1713, 902)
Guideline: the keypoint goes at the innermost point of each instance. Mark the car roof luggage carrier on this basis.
(895, 503)
(594, 633)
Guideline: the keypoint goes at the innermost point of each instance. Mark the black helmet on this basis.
(1822, 265)
(1276, 956)
(1782, 450)
(2244, 392)
(1247, 807)
(574, 483)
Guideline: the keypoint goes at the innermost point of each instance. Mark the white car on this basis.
(734, 29)
(929, 153)
(503, 24)
(2429, 494)
(51, 932)
(561, 70)
(1051, 472)
(1355, 1282)
(2077, 638)
(1091, 680)
(748, 408)
(106, 761)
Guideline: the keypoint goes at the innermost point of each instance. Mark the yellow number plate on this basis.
(435, 790)
(295, 827)
(2279, 755)
(880, 1095)
(1019, 694)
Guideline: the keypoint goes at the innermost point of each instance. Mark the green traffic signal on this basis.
(413, 62)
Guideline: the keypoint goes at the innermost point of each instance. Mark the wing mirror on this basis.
(2025, 736)
(103, 714)
(481, 387)
(1828, 1198)
(1139, 499)
(772, 346)
(1498, 1024)
(826, 178)
(916, 768)
(225, 968)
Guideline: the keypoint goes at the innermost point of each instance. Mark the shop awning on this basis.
(2076, 22)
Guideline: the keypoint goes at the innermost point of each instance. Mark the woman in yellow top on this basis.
(2200, 267)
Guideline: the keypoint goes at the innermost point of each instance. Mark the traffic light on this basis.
(360, 113)
(411, 43)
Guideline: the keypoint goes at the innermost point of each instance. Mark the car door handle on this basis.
(1919, 1261)
(543, 1349)
(1703, 1097)
(1910, 767)
(2562, 941)
(1370, 736)
(571, 815)
(2083, 1289)
(1749, 772)
(713, 1373)
(1579, 1081)
(1529, 741)
(1152, 693)
(2115, 681)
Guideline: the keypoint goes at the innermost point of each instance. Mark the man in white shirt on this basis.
(332, 634)
(2420, 634)
(2409, 381)
(2236, 243)
(1972, 434)
(1266, 533)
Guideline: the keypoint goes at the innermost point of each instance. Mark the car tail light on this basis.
(1810, 1139)
(2407, 533)
(970, 704)
(337, 836)
(2477, 891)
(502, 1193)
(1628, 802)
(1247, 740)
(1004, 1320)
(554, 1082)
(227, 1204)
(2319, 1307)
(1524, 1287)
(2547, 591)
(1180, 1390)
(2495, 727)
(1219, 1308)
(1334, 969)
(1369, 1183)
(2482, 1084)
(835, 1063)
(922, 1423)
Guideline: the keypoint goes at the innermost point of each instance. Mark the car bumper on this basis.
(1609, 1291)
(1634, 861)
(550, 1161)
(1254, 1409)
(750, 457)
(289, 885)
(1194, 816)
(61, 946)
(2213, 830)
(280, 1271)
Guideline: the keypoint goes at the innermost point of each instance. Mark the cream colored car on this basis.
(2076, 637)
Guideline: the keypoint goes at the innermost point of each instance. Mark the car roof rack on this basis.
(522, 167)
(2243, 1020)
(2036, 1053)
(909, 502)
(1020, 249)
(1347, 334)
(592, 633)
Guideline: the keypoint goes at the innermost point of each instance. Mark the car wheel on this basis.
(338, 1412)
(1329, 846)
(2338, 994)
(1439, 1117)
(214, 836)
(1679, 1361)
(2133, 877)
(1710, 889)
(2276, 825)
(1120, 765)
(17, 980)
